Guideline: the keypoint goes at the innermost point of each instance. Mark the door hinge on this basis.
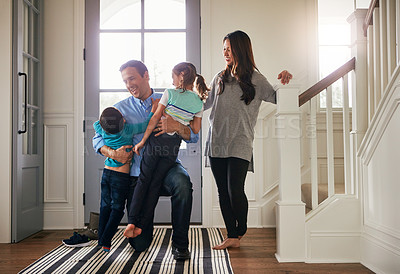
(84, 126)
(84, 54)
(84, 198)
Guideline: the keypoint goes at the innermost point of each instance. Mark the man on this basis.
(177, 183)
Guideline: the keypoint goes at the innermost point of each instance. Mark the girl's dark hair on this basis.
(243, 65)
(111, 120)
(190, 75)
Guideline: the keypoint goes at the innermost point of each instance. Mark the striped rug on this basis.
(122, 258)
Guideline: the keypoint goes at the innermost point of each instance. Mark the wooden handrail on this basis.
(368, 19)
(327, 81)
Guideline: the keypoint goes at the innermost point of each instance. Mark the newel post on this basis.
(290, 210)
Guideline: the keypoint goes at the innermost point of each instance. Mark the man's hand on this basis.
(169, 125)
(120, 154)
(285, 77)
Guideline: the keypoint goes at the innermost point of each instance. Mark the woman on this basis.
(235, 98)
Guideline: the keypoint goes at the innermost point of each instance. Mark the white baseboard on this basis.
(378, 256)
(333, 247)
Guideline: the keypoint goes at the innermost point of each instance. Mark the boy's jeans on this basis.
(115, 189)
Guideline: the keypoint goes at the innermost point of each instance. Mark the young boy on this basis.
(115, 182)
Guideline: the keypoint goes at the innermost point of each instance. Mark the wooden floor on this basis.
(256, 255)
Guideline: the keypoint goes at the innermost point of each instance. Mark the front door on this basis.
(161, 33)
(27, 186)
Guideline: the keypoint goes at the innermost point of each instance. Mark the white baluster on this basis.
(346, 135)
(391, 36)
(314, 153)
(377, 58)
(398, 30)
(383, 44)
(371, 81)
(329, 143)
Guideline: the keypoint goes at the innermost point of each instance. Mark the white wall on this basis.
(380, 156)
(63, 113)
(283, 37)
(6, 119)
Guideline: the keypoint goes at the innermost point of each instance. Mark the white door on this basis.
(27, 185)
(120, 30)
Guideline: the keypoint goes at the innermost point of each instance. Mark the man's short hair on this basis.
(111, 120)
(140, 67)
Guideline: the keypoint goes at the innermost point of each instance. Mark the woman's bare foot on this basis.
(129, 231)
(228, 242)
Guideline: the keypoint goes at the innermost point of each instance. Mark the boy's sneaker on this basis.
(77, 240)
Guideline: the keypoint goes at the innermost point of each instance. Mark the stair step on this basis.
(322, 193)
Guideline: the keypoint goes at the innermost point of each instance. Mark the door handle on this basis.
(26, 102)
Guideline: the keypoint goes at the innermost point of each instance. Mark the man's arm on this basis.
(119, 155)
(168, 125)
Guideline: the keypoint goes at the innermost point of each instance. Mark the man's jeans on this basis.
(115, 190)
(177, 185)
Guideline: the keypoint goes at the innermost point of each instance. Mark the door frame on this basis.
(193, 38)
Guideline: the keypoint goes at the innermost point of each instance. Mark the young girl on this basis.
(160, 153)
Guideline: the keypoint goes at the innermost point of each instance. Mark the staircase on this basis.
(323, 194)
(322, 220)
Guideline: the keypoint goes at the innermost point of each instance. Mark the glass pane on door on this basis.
(108, 99)
(34, 131)
(25, 140)
(160, 56)
(120, 14)
(115, 50)
(35, 37)
(156, 17)
(35, 83)
(26, 32)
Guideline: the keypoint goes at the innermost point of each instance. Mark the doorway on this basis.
(121, 30)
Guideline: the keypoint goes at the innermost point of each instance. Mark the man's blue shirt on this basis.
(135, 111)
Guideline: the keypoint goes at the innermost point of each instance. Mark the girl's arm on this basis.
(152, 124)
(195, 124)
(141, 127)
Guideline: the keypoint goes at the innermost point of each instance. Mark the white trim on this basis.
(79, 103)
(381, 243)
(381, 228)
(66, 156)
(374, 137)
(379, 121)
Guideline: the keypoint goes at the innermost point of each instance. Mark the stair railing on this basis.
(309, 96)
(381, 27)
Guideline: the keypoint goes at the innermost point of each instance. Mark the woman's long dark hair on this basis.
(243, 65)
